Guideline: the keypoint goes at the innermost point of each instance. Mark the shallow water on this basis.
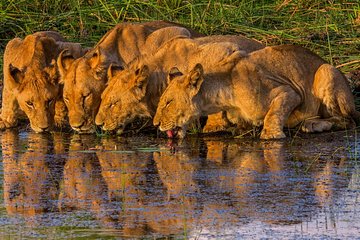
(82, 186)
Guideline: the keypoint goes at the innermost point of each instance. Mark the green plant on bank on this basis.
(328, 27)
(101, 133)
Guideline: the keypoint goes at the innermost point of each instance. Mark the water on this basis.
(60, 186)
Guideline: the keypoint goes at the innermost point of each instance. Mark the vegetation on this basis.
(328, 27)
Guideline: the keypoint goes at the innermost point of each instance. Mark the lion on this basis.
(31, 80)
(85, 78)
(135, 91)
(274, 87)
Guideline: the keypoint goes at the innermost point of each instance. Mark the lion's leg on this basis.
(316, 125)
(341, 123)
(216, 122)
(280, 109)
(60, 117)
(9, 110)
(320, 125)
(332, 88)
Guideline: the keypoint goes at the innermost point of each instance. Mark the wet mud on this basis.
(81, 186)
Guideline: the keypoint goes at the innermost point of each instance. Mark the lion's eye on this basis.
(168, 103)
(113, 103)
(50, 101)
(30, 104)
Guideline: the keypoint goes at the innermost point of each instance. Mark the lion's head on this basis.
(31, 76)
(84, 80)
(124, 99)
(37, 90)
(178, 104)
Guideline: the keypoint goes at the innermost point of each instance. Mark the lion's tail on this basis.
(332, 88)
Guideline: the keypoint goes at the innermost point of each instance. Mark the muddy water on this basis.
(62, 186)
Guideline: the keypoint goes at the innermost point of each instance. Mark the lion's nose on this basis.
(77, 125)
(99, 122)
(156, 121)
(156, 124)
(100, 125)
(44, 129)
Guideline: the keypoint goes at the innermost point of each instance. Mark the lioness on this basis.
(135, 91)
(84, 79)
(274, 87)
(31, 80)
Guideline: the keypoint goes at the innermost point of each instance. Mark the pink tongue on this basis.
(170, 133)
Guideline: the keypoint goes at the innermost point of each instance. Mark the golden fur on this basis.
(84, 79)
(135, 91)
(273, 87)
(31, 80)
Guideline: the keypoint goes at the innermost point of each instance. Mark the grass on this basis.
(328, 27)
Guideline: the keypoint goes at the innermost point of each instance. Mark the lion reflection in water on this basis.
(260, 183)
(203, 183)
(31, 174)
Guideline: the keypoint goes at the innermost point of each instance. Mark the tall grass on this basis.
(330, 28)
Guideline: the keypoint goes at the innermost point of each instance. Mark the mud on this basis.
(82, 186)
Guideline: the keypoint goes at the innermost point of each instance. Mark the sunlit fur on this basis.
(31, 81)
(85, 79)
(135, 91)
(273, 87)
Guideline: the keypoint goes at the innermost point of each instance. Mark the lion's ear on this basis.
(143, 70)
(47, 46)
(173, 73)
(85, 50)
(141, 81)
(52, 72)
(17, 75)
(64, 61)
(142, 73)
(195, 78)
(113, 69)
(97, 59)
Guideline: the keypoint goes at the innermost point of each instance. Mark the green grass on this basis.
(330, 28)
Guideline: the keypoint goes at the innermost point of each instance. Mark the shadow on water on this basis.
(82, 186)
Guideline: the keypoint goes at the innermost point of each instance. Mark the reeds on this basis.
(330, 28)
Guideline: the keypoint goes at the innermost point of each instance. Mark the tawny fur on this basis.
(31, 80)
(84, 79)
(135, 91)
(273, 87)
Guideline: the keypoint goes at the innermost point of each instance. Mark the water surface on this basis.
(82, 186)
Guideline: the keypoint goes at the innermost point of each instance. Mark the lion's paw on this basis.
(5, 124)
(311, 126)
(272, 134)
(60, 122)
(209, 128)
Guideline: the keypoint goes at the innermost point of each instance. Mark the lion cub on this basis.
(273, 87)
(31, 80)
(135, 91)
